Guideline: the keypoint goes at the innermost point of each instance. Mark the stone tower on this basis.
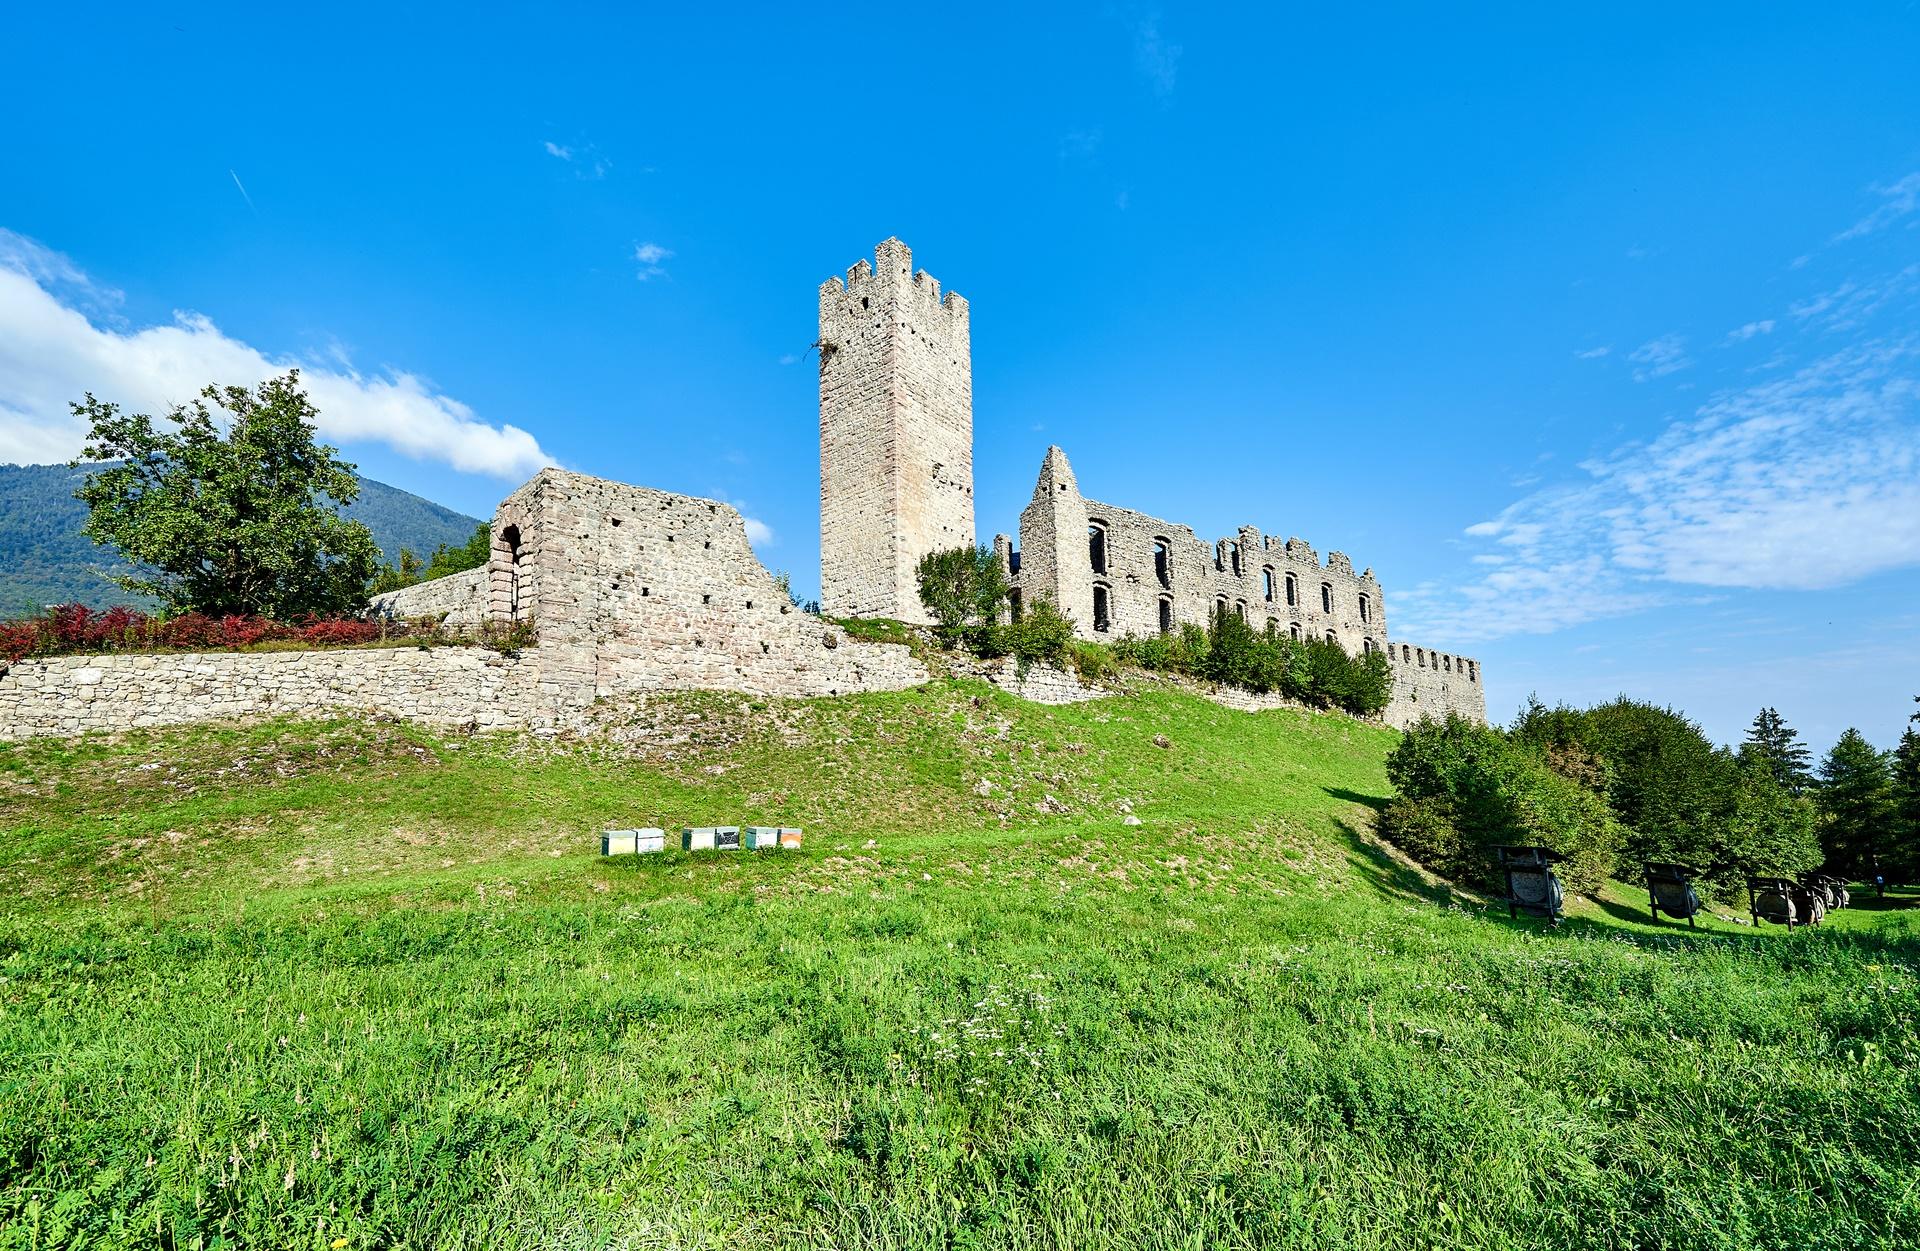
(896, 433)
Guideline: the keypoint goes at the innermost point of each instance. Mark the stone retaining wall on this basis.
(444, 685)
(459, 599)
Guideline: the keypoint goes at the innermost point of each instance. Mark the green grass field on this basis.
(365, 985)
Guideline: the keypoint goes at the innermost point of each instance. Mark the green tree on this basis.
(1769, 831)
(1042, 636)
(1777, 745)
(963, 587)
(1903, 857)
(447, 559)
(1855, 802)
(1672, 787)
(230, 513)
(407, 572)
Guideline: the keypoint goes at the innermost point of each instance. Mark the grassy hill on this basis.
(52, 562)
(359, 984)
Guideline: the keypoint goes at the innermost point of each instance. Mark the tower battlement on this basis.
(896, 432)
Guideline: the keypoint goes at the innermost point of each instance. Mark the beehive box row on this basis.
(700, 838)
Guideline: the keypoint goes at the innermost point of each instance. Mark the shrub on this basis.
(1041, 636)
(1424, 829)
(1094, 662)
(963, 588)
(74, 629)
(1493, 791)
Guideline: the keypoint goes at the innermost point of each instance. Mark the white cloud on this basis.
(559, 150)
(1657, 358)
(1594, 353)
(1154, 57)
(650, 255)
(759, 533)
(1806, 482)
(789, 358)
(59, 338)
(1897, 200)
(1749, 330)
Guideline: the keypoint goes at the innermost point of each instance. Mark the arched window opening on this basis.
(1166, 615)
(1293, 628)
(1473, 671)
(1366, 647)
(1233, 552)
(508, 586)
(1447, 663)
(1240, 609)
(1366, 609)
(1326, 598)
(1331, 637)
(1163, 562)
(1423, 657)
(1293, 591)
(1406, 654)
(1273, 627)
(1219, 605)
(1101, 619)
(1097, 545)
(1266, 583)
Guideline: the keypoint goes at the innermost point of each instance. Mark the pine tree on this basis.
(1778, 745)
(1903, 856)
(1855, 802)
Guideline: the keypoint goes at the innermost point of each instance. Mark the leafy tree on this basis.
(963, 587)
(407, 572)
(1465, 788)
(1777, 745)
(1904, 838)
(1672, 787)
(1769, 830)
(231, 515)
(1856, 804)
(1236, 656)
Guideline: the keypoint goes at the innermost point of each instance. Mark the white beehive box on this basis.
(697, 838)
(726, 837)
(761, 837)
(619, 842)
(650, 840)
(789, 836)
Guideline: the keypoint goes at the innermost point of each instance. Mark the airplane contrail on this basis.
(243, 192)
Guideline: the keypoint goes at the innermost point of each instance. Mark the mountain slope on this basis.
(52, 562)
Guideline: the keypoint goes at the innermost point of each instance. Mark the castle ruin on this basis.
(635, 590)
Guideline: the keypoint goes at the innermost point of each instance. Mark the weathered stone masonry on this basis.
(633, 590)
(1118, 572)
(896, 433)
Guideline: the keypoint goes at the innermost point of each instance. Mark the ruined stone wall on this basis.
(1432, 684)
(459, 599)
(445, 685)
(896, 433)
(1262, 578)
(633, 589)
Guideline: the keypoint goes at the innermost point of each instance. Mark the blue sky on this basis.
(1594, 334)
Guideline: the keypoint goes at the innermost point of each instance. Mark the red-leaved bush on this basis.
(71, 629)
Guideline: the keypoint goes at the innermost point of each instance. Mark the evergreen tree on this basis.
(1855, 801)
(1777, 745)
(1903, 856)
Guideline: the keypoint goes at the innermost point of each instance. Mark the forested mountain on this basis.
(49, 561)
